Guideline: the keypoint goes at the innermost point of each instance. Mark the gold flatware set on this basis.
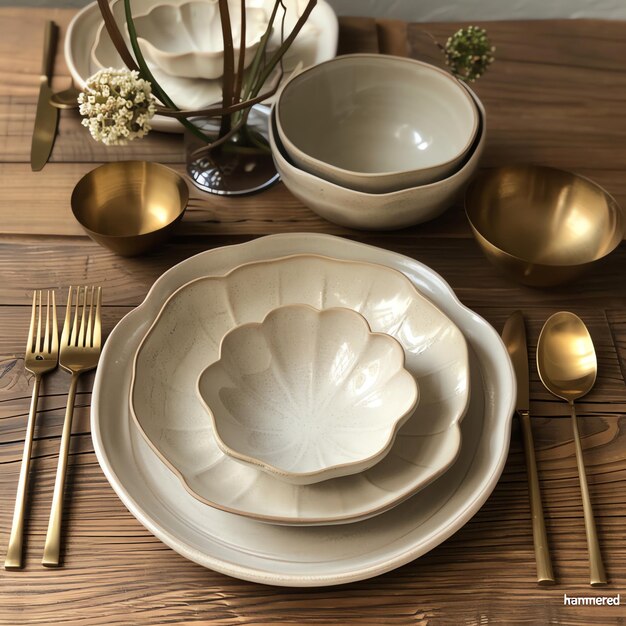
(78, 351)
(567, 366)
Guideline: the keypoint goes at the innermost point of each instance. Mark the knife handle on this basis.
(51, 33)
(545, 575)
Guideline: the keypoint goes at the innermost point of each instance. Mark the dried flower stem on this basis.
(242, 52)
(278, 55)
(229, 67)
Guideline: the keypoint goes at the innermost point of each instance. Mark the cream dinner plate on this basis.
(185, 339)
(192, 93)
(290, 555)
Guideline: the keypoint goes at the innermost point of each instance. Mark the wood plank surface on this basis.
(555, 96)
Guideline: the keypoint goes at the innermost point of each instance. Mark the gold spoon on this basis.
(66, 99)
(567, 366)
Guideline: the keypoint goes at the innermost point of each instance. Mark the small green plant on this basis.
(468, 53)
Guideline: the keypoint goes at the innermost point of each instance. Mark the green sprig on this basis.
(469, 53)
(146, 74)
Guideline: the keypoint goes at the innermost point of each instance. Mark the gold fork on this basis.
(42, 354)
(80, 351)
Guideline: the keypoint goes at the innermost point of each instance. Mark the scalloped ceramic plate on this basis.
(185, 339)
(308, 395)
(302, 556)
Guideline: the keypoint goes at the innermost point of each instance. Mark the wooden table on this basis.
(555, 96)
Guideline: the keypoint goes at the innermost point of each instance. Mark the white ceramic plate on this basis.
(194, 93)
(185, 339)
(303, 556)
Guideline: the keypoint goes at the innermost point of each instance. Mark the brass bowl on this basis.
(541, 225)
(130, 207)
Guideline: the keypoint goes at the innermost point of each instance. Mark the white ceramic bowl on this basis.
(376, 123)
(186, 39)
(368, 211)
(308, 395)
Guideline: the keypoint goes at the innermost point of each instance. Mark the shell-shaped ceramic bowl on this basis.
(308, 395)
(186, 39)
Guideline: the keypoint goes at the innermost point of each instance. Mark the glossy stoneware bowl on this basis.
(308, 395)
(542, 226)
(383, 211)
(129, 207)
(186, 39)
(376, 123)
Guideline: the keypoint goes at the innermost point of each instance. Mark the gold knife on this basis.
(47, 116)
(514, 337)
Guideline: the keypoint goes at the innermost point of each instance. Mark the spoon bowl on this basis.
(566, 358)
(567, 365)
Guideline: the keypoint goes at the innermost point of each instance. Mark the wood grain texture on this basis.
(555, 96)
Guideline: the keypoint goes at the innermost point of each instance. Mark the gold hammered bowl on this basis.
(542, 226)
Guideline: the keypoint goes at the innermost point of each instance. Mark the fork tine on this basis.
(39, 339)
(67, 324)
(74, 334)
(31, 330)
(89, 337)
(81, 332)
(54, 342)
(97, 329)
(46, 334)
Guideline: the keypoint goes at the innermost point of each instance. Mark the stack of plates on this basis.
(88, 49)
(161, 458)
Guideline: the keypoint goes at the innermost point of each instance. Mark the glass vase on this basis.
(241, 165)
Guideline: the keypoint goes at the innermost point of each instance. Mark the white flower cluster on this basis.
(117, 106)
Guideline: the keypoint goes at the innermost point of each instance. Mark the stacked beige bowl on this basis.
(377, 142)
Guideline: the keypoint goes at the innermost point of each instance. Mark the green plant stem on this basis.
(278, 55)
(260, 53)
(147, 74)
(229, 67)
(242, 52)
